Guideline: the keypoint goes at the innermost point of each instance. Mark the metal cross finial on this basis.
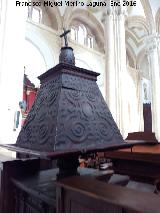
(64, 34)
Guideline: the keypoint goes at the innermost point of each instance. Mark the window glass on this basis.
(36, 15)
(79, 34)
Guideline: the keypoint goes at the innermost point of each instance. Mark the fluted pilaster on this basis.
(116, 64)
(152, 43)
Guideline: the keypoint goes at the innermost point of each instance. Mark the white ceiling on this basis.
(155, 5)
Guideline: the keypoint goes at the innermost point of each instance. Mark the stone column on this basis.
(116, 66)
(152, 53)
(110, 74)
(121, 69)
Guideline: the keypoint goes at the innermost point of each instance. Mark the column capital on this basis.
(109, 8)
(120, 9)
(106, 16)
(115, 13)
(152, 42)
(115, 7)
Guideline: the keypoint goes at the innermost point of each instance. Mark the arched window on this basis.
(74, 33)
(90, 41)
(27, 12)
(36, 15)
(34, 63)
(82, 35)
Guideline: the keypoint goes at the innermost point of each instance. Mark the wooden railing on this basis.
(87, 195)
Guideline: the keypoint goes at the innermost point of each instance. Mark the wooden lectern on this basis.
(68, 119)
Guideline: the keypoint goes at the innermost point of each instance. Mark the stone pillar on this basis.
(154, 69)
(116, 66)
(110, 74)
(12, 38)
(121, 69)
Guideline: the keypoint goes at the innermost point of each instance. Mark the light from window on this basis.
(27, 10)
(74, 34)
(90, 42)
(36, 15)
(81, 35)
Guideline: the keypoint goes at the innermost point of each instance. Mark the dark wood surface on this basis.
(142, 166)
(12, 168)
(147, 116)
(141, 162)
(25, 189)
(57, 154)
(39, 190)
(147, 136)
(69, 114)
(83, 194)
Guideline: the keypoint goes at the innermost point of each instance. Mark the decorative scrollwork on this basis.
(91, 94)
(105, 131)
(52, 95)
(88, 110)
(78, 132)
(69, 114)
(43, 133)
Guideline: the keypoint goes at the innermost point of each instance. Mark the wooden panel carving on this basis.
(69, 114)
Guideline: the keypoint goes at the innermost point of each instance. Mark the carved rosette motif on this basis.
(87, 116)
(69, 114)
(39, 128)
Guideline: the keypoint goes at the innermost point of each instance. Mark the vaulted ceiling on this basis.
(141, 20)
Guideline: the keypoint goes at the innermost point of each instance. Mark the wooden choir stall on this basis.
(70, 120)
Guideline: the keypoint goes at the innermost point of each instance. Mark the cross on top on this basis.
(64, 34)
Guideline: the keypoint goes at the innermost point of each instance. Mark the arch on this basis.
(66, 16)
(34, 63)
(82, 63)
(140, 57)
(131, 54)
(88, 19)
(54, 12)
(149, 15)
(137, 41)
(138, 21)
(36, 39)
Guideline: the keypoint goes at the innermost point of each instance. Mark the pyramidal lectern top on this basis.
(70, 114)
